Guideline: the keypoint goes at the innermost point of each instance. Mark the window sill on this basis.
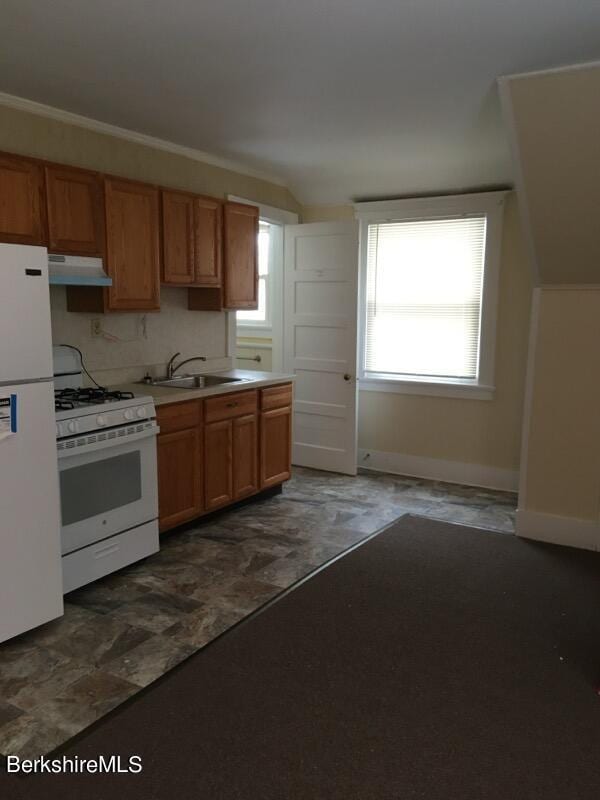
(466, 391)
(259, 331)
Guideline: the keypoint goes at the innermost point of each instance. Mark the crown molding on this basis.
(50, 112)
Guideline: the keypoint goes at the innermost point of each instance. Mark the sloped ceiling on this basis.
(342, 99)
(556, 140)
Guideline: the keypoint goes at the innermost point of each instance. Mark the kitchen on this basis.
(155, 448)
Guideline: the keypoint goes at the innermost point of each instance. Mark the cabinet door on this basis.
(132, 245)
(275, 446)
(240, 235)
(245, 447)
(208, 229)
(75, 211)
(218, 459)
(178, 230)
(179, 477)
(22, 207)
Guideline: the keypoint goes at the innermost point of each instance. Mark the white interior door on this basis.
(320, 311)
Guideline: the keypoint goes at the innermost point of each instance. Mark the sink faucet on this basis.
(172, 368)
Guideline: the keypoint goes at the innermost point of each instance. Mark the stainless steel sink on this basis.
(193, 381)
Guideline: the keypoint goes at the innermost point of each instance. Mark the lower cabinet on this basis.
(275, 446)
(218, 453)
(179, 451)
(245, 456)
(214, 452)
(230, 448)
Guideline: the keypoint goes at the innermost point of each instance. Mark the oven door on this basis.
(108, 483)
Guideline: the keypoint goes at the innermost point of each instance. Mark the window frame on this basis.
(491, 204)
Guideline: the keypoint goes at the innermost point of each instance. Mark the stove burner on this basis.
(63, 405)
(65, 399)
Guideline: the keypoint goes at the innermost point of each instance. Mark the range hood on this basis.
(77, 271)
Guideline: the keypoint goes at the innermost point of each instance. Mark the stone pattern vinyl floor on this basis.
(126, 630)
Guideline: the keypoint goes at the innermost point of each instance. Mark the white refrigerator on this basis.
(30, 565)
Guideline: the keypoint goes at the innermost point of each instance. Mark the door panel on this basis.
(179, 477)
(320, 321)
(30, 566)
(178, 238)
(275, 446)
(132, 243)
(245, 461)
(75, 211)
(22, 207)
(240, 228)
(218, 457)
(208, 233)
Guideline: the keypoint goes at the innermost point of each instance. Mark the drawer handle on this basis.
(232, 405)
(106, 551)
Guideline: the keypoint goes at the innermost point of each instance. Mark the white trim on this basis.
(440, 206)
(438, 469)
(555, 529)
(258, 331)
(528, 399)
(551, 70)
(515, 151)
(253, 346)
(489, 203)
(473, 391)
(277, 216)
(42, 110)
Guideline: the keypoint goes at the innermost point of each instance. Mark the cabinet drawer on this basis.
(179, 416)
(231, 405)
(276, 397)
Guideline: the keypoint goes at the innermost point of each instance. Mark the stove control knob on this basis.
(101, 420)
(141, 412)
(129, 413)
(73, 426)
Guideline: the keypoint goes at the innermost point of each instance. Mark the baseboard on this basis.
(439, 470)
(552, 528)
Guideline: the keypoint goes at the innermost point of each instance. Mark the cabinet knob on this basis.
(347, 377)
(231, 405)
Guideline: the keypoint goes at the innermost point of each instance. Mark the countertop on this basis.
(253, 379)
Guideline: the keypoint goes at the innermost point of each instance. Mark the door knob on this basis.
(347, 377)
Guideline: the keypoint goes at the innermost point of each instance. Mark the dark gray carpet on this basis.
(434, 661)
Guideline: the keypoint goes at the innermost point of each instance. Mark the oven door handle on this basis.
(79, 450)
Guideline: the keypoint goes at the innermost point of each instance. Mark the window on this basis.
(261, 317)
(429, 294)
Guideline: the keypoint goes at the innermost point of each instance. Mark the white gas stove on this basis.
(106, 443)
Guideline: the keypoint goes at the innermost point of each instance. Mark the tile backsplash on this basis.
(131, 344)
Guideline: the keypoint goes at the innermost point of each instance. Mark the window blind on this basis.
(423, 298)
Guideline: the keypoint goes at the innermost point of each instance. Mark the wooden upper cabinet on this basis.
(209, 233)
(74, 199)
(178, 238)
(240, 255)
(191, 227)
(132, 245)
(22, 207)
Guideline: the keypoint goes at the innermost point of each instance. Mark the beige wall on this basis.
(557, 146)
(248, 348)
(555, 123)
(481, 432)
(562, 465)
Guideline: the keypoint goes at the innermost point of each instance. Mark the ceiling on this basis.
(342, 99)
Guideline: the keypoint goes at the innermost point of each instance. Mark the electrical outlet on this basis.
(96, 327)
